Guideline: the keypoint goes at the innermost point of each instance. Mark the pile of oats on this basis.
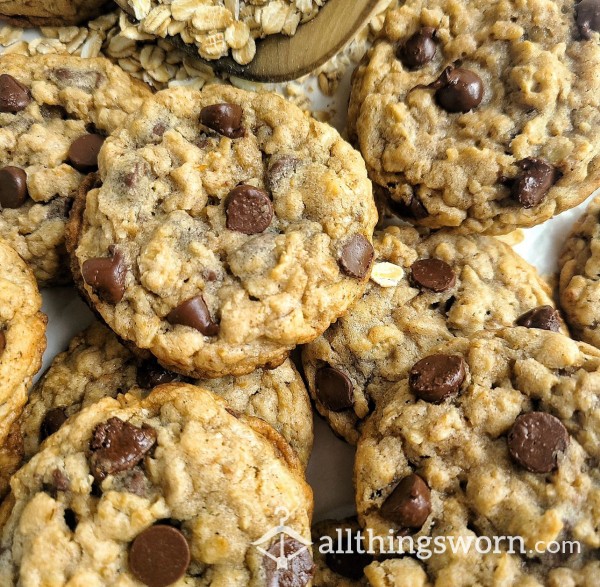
(157, 62)
(218, 26)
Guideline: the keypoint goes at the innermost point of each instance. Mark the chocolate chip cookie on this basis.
(422, 291)
(579, 282)
(482, 116)
(54, 114)
(97, 365)
(22, 343)
(50, 12)
(170, 488)
(504, 425)
(228, 228)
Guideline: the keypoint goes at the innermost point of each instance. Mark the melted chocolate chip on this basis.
(118, 446)
(533, 183)
(194, 313)
(14, 96)
(588, 17)
(433, 274)
(348, 564)
(409, 504)
(106, 276)
(249, 210)
(226, 119)
(356, 256)
(299, 569)
(60, 481)
(436, 377)
(159, 556)
(419, 49)
(150, 374)
(13, 187)
(52, 422)
(536, 440)
(83, 152)
(280, 170)
(543, 317)
(334, 390)
(457, 89)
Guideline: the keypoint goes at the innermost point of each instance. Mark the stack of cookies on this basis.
(214, 232)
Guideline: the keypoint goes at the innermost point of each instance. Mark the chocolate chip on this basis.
(543, 317)
(159, 556)
(52, 422)
(532, 184)
(226, 119)
(458, 89)
(535, 441)
(83, 152)
(334, 390)
(588, 17)
(356, 256)
(249, 210)
(194, 313)
(299, 569)
(150, 374)
(13, 187)
(280, 170)
(133, 481)
(436, 377)
(159, 129)
(60, 481)
(70, 519)
(409, 504)
(433, 274)
(118, 446)
(106, 276)
(346, 562)
(419, 49)
(14, 96)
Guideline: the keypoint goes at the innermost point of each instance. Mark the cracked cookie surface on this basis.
(96, 365)
(528, 150)
(579, 282)
(176, 467)
(229, 227)
(482, 284)
(47, 104)
(511, 450)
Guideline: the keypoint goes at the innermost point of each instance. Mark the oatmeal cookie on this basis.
(50, 12)
(422, 291)
(173, 487)
(579, 282)
(22, 343)
(54, 113)
(482, 116)
(504, 425)
(228, 228)
(97, 365)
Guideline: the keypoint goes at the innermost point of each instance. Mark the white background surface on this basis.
(330, 468)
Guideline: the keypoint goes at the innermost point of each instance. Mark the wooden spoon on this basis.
(280, 58)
